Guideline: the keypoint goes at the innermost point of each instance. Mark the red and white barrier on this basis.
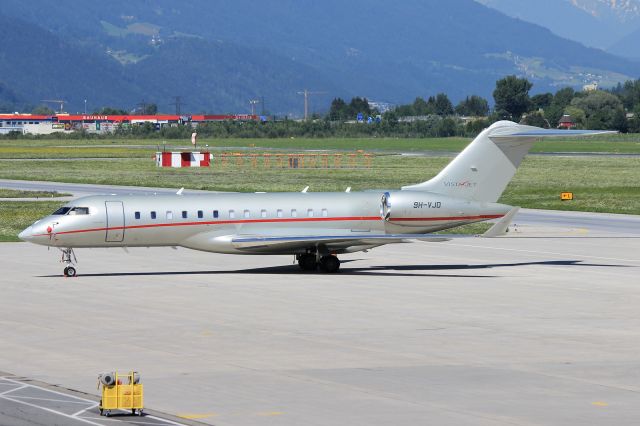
(183, 159)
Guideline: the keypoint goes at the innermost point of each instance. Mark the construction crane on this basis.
(56, 101)
(306, 93)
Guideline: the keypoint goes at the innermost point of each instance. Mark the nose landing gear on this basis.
(69, 258)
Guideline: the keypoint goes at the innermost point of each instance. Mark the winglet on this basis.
(501, 227)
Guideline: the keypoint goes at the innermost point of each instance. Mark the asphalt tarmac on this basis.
(520, 330)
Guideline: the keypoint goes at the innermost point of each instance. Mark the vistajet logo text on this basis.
(464, 184)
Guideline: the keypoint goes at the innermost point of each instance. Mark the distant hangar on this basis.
(95, 123)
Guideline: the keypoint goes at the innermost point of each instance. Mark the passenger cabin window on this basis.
(169, 215)
(294, 213)
(215, 214)
(310, 212)
(137, 215)
(200, 214)
(279, 213)
(247, 214)
(325, 213)
(77, 211)
(232, 214)
(263, 213)
(153, 215)
(184, 214)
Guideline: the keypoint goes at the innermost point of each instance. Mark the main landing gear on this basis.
(309, 262)
(69, 258)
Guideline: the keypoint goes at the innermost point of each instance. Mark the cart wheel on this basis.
(140, 412)
(106, 413)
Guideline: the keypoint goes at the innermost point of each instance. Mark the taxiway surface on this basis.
(508, 331)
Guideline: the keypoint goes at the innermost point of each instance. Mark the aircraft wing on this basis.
(332, 242)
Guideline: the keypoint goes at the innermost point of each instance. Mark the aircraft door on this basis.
(115, 221)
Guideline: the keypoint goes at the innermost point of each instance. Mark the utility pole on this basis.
(306, 93)
(178, 104)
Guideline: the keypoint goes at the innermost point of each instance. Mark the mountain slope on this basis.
(596, 23)
(219, 54)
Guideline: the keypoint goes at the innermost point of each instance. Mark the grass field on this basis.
(600, 183)
(145, 148)
(16, 216)
(11, 193)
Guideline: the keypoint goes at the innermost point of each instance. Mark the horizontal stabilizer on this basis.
(553, 133)
(501, 227)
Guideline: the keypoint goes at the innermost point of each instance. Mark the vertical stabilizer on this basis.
(482, 171)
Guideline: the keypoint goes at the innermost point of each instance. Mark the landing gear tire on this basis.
(330, 264)
(307, 262)
(70, 271)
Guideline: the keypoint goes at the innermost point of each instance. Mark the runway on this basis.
(509, 331)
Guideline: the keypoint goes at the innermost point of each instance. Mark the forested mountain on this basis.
(218, 54)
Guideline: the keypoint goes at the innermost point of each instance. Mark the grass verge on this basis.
(13, 193)
(16, 216)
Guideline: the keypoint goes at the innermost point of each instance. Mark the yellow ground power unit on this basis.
(566, 196)
(121, 392)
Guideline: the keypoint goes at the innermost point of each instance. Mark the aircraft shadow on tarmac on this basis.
(386, 270)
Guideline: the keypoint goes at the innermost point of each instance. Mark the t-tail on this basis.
(482, 171)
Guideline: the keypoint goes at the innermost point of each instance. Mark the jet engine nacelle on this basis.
(431, 212)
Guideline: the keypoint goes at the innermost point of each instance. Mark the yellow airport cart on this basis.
(121, 392)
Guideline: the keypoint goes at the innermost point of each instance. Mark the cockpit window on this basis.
(61, 211)
(79, 211)
(71, 211)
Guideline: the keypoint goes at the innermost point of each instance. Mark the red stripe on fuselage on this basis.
(300, 220)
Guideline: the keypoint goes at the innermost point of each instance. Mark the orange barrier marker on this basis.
(325, 161)
(352, 160)
(368, 160)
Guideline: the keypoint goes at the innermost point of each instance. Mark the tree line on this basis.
(435, 116)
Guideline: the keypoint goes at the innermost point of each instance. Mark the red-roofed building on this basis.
(95, 123)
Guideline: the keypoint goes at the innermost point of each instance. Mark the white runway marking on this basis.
(60, 413)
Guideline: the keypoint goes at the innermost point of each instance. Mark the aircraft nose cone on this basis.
(26, 234)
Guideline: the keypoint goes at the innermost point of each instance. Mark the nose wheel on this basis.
(70, 271)
(69, 258)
